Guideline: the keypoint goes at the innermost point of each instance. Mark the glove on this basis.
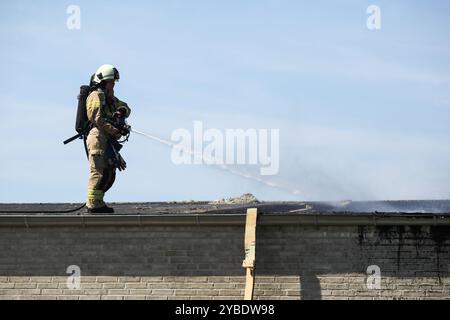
(121, 165)
(116, 133)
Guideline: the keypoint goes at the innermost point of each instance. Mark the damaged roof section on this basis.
(231, 211)
(421, 207)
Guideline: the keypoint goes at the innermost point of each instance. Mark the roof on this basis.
(414, 212)
(268, 207)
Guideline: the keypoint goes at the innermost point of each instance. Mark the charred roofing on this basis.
(399, 207)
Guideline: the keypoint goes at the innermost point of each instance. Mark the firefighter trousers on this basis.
(102, 173)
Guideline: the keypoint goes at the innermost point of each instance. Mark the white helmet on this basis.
(106, 72)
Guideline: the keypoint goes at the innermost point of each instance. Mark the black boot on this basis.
(104, 209)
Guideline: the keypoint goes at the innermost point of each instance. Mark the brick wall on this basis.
(204, 262)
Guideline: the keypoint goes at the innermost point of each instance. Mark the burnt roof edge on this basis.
(30, 221)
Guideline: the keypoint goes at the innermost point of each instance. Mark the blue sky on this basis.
(363, 115)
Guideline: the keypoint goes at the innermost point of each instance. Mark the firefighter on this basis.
(102, 108)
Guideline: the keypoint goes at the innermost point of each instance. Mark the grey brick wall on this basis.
(204, 262)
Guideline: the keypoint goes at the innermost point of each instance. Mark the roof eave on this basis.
(29, 221)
